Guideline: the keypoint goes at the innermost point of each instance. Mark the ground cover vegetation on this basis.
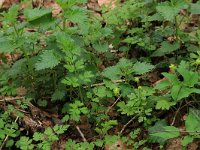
(123, 77)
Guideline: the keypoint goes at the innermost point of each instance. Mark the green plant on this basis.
(101, 71)
(160, 132)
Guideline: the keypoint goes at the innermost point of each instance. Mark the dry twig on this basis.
(81, 133)
(113, 105)
(124, 127)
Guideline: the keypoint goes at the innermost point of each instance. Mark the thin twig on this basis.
(81, 133)
(6, 138)
(124, 127)
(113, 105)
(99, 84)
(181, 131)
(174, 119)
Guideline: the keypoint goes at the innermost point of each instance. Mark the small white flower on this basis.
(111, 46)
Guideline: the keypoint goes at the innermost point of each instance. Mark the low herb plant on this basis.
(98, 67)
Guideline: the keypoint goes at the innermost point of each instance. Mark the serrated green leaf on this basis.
(194, 8)
(112, 73)
(58, 95)
(101, 47)
(166, 48)
(7, 46)
(142, 67)
(47, 60)
(171, 9)
(164, 104)
(11, 16)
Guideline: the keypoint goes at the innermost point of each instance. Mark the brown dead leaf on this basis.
(56, 8)
(119, 145)
(111, 3)
(174, 144)
(8, 3)
(21, 91)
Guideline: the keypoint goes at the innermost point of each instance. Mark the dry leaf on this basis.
(119, 145)
(107, 3)
(21, 91)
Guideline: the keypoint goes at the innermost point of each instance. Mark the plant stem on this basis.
(124, 127)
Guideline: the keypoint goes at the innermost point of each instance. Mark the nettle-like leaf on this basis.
(195, 8)
(47, 59)
(11, 16)
(171, 9)
(166, 48)
(112, 73)
(101, 47)
(58, 95)
(142, 67)
(7, 45)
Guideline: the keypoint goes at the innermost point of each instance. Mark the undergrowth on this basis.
(129, 75)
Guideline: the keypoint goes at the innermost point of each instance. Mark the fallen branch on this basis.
(10, 99)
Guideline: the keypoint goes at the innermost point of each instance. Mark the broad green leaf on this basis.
(34, 14)
(166, 48)
(192, 122)
(190, 78)
(187, 140)
(163, 85)
(157, 127)
(167, 132)
(142, 67)
(178, 92)
(194, 8)
(172, 78)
